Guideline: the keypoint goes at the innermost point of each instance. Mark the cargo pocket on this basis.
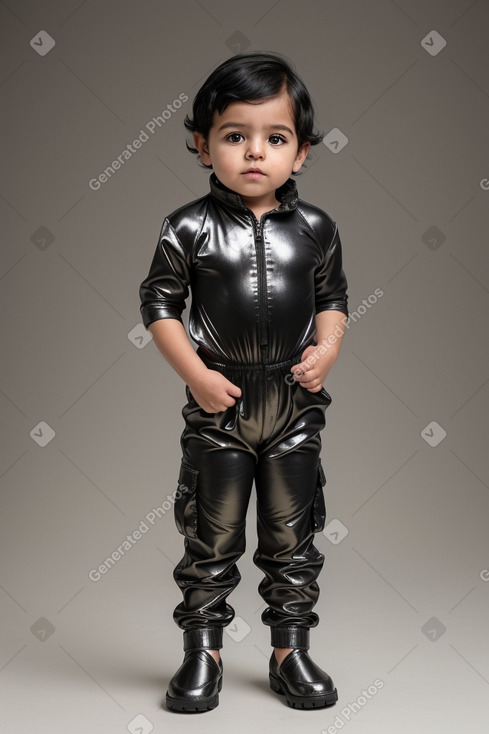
(185, 507)
(319, 505)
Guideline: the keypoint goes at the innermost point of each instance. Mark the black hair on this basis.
(248, 77)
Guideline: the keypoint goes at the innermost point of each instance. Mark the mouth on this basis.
(253, 173)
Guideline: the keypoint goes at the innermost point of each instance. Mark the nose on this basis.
(255, 148)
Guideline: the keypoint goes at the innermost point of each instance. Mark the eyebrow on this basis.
(241, 124)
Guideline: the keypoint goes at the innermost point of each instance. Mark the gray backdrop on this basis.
(91, 411)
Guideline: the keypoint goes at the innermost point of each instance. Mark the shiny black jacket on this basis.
(256, 285)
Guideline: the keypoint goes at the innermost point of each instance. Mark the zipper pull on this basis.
(258, 229)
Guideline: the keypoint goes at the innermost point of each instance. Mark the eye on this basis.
(234, 135)
(277, 139)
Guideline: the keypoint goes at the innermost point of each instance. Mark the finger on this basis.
(301, 368)
(233, 389)
(310, 379)
(229, 400)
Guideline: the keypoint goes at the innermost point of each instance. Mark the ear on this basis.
(201, 144)
(301, 156)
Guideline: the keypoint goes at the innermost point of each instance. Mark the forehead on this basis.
(258, 114)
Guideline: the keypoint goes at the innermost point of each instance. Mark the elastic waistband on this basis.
(234, 367)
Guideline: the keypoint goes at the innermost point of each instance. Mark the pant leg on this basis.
(290, 507)
(276, 424)
(219, 469)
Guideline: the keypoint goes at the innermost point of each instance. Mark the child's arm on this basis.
(163, 293)
(331, 315)
(317, 361)
(212, 391)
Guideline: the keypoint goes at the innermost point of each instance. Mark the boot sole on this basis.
(194, 706)
(303, 702)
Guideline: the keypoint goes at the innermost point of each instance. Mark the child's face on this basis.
(253, 135)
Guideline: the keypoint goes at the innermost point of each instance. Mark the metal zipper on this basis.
(262, 285)
(262, 316)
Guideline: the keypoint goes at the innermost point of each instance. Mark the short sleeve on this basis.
(330, 280)
(164, 291)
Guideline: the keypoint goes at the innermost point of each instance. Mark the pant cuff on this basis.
(294, 637)
(202, 638)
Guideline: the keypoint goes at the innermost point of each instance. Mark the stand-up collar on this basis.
(286, 194)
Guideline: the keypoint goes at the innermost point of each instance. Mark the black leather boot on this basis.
(298, 678)
(195, 686)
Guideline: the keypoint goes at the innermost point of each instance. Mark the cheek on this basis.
(227, 158)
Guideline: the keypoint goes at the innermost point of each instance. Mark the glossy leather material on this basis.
(302, 682)
(256, 287)
(203, 638)
(297, 637)
(256, 284)
(196, 684)
(269, 436)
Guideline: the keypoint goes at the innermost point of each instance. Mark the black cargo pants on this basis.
(271, 436)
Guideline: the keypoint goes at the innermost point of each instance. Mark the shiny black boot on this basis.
(298, 678)
(195, 686)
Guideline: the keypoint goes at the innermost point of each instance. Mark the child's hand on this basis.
(214, 392)
(313, 370)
